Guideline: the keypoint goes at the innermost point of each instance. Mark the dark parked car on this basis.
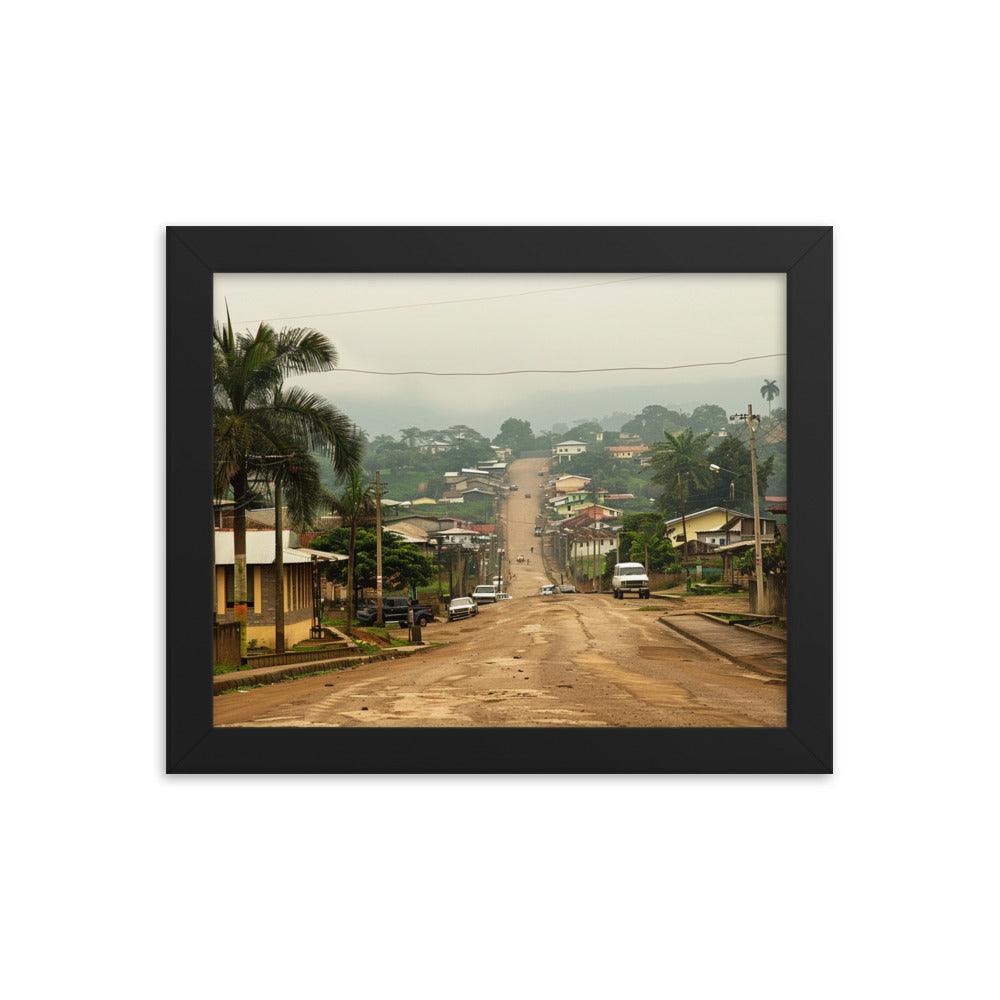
(396, 609)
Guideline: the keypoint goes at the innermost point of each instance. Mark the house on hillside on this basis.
(414, 524)
(564, 497)
(567, 449)
(570, 484)
(589, 530)
(591, 513)
(467, 482)
(478, 492)
(463, 537)
(570, 504)
(627, 451)
(501, 453)
(435, 447)
(713, 523)
(299, 583)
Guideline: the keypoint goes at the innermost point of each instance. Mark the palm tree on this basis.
(769, 390)
(356, 506)
(290, 467)
(680, 464)
(255, 417)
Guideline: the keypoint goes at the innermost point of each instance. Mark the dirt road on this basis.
(570, 660)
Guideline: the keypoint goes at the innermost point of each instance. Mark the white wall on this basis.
(879, 118)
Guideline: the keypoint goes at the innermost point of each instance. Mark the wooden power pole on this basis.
(379, 618)
(758, 559)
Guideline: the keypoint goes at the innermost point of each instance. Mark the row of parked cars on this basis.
(628, 578)
(397, 609)
(485, 593)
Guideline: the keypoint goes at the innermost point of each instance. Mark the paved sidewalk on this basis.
(760, 653)
(271, 675)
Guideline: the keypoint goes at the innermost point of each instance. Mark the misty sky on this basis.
(540, 321)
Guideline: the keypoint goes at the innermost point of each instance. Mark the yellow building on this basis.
(712, 521)
(299, 584)
(570, 484)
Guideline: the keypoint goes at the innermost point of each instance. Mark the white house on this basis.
(567, 449)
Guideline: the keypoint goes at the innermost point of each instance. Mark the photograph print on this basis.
(499, 500)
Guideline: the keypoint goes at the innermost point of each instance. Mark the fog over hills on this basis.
(696, 327)
(587, 397)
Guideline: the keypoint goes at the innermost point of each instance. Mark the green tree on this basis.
(403, 564)
(253, 417)
(708, 417)
(294, 476)
(732, 454)
(769, 390)
(586, 431)
(515, 434)
(680, 466)
(642, 536)
(654, 421)
(356, 506)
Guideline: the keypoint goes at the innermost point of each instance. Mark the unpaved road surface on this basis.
(571, 660)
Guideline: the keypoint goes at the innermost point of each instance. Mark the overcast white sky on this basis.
(413, 321)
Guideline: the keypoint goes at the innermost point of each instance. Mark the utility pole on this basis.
(758, 559)
(279, 569)
(379, 618)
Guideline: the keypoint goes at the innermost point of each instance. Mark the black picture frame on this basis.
(195, 254)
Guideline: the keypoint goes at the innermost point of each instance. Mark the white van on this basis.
(630, 578)
(485, 593)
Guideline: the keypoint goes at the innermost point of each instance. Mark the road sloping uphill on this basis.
(567, 660)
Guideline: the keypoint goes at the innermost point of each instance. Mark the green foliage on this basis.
(410, 472)
(653, 422)
(515, 434)
(772, 559)
(587, 431)
(255, 416)
(680, 466)
(708, 417)
(732, 454)
(643, 535)
(769, 390)
(403, 564)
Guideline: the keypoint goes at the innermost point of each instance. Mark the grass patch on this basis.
(223, 668)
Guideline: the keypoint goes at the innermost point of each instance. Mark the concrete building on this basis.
(299, 582)
(567, 449)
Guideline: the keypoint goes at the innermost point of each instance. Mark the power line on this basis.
(572, 371)
(446, 302)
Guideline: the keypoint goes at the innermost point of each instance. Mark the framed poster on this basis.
(499, 499)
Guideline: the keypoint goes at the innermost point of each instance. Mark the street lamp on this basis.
(732, 489)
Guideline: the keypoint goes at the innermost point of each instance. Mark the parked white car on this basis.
(630, 578)
(485, 593)
(462, 607)
(547, 589)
